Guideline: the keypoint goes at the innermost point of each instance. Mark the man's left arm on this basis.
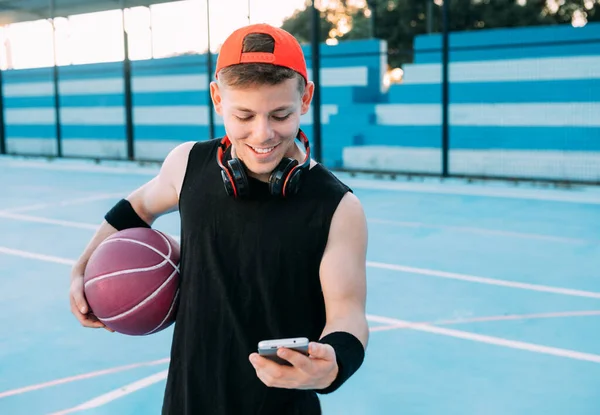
(343, 271)
(343, 280)
(340, 350)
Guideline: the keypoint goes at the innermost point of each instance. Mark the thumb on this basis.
(322, 351)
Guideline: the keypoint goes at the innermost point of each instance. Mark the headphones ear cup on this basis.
(279, 176)
(227, 183)
(293, 184)
(238, 172)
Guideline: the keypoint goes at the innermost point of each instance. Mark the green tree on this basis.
(399, 21)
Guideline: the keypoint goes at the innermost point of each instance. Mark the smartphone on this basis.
(268, 348)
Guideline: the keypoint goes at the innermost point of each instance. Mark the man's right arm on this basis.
(157, 197)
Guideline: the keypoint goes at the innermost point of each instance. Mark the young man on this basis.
(272, 245)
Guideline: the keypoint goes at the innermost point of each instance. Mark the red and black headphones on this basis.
(284, 180)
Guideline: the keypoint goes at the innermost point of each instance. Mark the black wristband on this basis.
(123, 216)
(350, 355)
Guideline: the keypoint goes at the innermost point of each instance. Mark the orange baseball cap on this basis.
(287, 51)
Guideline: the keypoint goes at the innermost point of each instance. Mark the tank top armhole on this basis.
(200, 154)
(333, 191)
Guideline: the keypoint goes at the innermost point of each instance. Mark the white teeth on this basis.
(263, 150)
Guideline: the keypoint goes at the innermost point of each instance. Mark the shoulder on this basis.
(175, 164)
(349, 220)
(349, 214)
(177, 157)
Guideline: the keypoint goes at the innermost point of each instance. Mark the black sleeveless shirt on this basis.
(249, 272)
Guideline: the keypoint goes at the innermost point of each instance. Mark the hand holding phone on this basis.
(302, 365)
(268, 348)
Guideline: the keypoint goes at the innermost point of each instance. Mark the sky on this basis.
(178, 27)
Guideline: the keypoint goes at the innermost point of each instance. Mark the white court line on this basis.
(497, 341)
(89, 375)
(496, 318)
(8, 213)
(484, 280)
(82, 200)
(82, 377)
(66, 223)
(484, 231)
(366, 184)
(385, 320)
(392, 267)
(117, 393)
(31, 255)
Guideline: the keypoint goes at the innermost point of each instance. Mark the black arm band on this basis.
(350, 355)
(123, 216)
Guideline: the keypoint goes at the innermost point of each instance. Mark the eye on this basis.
(243, 118)
(285, 117)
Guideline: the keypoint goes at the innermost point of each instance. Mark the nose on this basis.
(263, 130)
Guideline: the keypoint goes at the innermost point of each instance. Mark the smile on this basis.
(263, 150)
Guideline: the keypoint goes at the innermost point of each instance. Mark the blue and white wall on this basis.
(524, 102)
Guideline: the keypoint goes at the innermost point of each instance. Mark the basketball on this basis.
(131, 281)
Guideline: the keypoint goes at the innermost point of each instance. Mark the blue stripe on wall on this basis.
(519, 53)
(526, 138)
(109, 132)
(195, 64)
(510, 43)
(27, 75)
(30, 131)
(506, 92)
(514, 36)
(27, 102)
(512, 138)
(170, 98)
(91, 71)
(106, 100)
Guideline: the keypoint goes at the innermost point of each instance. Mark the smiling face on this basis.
(262, 121)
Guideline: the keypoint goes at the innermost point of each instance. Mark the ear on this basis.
(216, 97)
(307, 97)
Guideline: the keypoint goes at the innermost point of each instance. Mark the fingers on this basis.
(77, 294)
(272, 374)
(321, 351)
(297, 359)
(80, 308)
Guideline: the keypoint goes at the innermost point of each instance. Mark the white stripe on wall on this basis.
(575, 114)
(540, 69)
(409, 114)
(158, 149)
(93, 116)
(169, 83)
(26, 145)
(198, 115)
(552, 164)
(29, 116)
(351, 76)
(91, 86)
(171, 115)
(29, 89)
(95, 147)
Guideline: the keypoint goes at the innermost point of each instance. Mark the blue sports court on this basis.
(483, 298)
